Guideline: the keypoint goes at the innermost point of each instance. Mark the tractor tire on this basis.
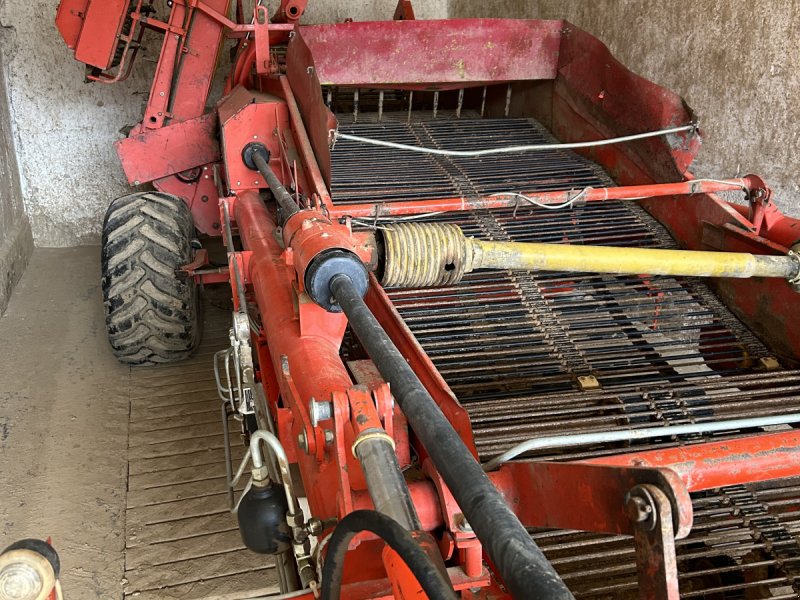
(152, 313)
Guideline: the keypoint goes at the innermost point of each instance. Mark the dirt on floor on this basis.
(123, 468)
(64, 422)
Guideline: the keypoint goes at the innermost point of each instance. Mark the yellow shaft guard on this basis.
(616, 260)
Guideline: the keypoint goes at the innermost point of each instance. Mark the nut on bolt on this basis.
(302, 442)
(260, 475)
(315, 526)
(637, 509)
(640, 508)
(295, 519)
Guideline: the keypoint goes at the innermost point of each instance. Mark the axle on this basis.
(428, 254)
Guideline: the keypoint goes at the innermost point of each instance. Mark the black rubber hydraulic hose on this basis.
(282, 195)
(433, 582)
(522, 565)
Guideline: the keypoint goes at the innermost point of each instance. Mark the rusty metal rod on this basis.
(539, 198)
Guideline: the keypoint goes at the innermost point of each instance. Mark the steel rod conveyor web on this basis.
(514, 346)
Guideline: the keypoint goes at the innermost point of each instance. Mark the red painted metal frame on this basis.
(151, 154)
(719, 464)
(69, 20)
(535, 491)
(306, 365)
(590, 96)
(435, 54)
(92, 28)
(465, 203)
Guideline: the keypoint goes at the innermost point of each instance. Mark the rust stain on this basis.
(460, 68)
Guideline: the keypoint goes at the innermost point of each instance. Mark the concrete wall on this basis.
(331, 11)
(16, 243)
(64, 128)
(736, 63)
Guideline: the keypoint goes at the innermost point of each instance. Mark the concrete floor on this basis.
(63, 422)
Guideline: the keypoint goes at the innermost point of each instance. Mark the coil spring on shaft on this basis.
(425, 254)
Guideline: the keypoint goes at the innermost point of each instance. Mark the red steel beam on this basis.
(585, 497)
(464, 203)
(313, 360)
(304, 144)
(717, 464)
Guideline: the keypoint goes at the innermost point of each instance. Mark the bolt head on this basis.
(302, 442)
(640, 508)
(315, 526)
(637, 509)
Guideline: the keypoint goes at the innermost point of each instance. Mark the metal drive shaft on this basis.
(430, 254)
(523, 566)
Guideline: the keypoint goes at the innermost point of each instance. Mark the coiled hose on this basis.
(433, 582)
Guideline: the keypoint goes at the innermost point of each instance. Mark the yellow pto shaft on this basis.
(427, 254)
(610, 259)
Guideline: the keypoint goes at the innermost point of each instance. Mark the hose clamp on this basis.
(375, 435)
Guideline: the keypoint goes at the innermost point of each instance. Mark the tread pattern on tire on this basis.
(151, 313)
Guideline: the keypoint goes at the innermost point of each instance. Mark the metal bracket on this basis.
(651, 504)
(545, 494)
(199, 261)
(243, 359)
(261, 34)
(795, 281)
(651, 512)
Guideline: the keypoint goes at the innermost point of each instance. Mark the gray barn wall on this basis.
(16, 243)
(737, 64)
(64, 128)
